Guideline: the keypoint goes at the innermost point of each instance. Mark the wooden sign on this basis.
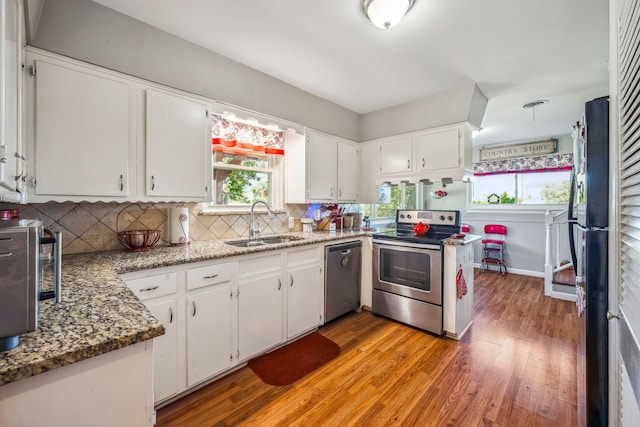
(519, 150)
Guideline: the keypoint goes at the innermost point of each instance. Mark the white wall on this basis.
(565, 144)
(463, 104)
(90, 32)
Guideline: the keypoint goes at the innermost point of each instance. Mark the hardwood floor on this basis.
(514, 367)
(565, 277)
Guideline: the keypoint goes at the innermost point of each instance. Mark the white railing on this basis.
(555, 223)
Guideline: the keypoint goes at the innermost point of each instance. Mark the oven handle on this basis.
(405, 244)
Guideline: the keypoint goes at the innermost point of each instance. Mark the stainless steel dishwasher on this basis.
(342, 264)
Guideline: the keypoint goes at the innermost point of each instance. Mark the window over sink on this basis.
(240, 179)
(247, 162)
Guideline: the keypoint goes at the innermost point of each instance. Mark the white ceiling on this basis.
(515, 50)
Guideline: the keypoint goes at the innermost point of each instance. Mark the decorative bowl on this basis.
(139, 240)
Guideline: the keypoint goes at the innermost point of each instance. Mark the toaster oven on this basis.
(21, 277)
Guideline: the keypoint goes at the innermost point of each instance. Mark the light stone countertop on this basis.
(468, 238)
(99, 313)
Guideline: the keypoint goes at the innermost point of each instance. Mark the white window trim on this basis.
(514, 208)
(277, 196)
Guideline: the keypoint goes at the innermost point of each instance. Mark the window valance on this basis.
(546, 163)
(236, 137)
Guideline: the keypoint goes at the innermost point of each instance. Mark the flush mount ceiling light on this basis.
(386, 14)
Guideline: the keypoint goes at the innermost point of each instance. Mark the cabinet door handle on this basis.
(153, 183)
(340, 192)
(279, 284)
(423, 162)
(170, 314)
(150, 288)
(121, 182)
(331, 191)
(291, 281)
(408, 164)
(25, 168)
(193, 312)
(211, 276)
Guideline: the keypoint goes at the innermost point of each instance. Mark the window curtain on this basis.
(546, 163)
(234, 137)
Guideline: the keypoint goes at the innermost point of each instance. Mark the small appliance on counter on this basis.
(21, 242)
(178, 220)
(307, 225)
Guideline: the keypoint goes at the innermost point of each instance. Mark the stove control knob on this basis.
(450, 218)
(409, 216)
(401, 215)
(441, 217)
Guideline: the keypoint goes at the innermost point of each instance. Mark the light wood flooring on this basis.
(515, 367)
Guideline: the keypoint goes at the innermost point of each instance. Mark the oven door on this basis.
(413, 272)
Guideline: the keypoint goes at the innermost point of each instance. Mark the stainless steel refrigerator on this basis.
(589, 202)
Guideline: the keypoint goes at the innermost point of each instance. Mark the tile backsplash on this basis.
(92, 227)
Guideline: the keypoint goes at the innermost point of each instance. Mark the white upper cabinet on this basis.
(348, 171)
(445, 153)
(440, 150)
(396, 156)
(11, 164)
(177, 146)
(320, 168)
(82, 128)
(369, 172)
(97, 135)
(430, 154)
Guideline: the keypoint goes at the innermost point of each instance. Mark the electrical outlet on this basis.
(291, 223)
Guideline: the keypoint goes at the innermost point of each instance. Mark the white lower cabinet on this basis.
(194, 306)
(208, 333)
(259, 305)
(165, 351)
(304, 284)
(218, 314)
(158, 291)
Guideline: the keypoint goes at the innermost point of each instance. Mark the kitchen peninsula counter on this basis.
(98, 312)
(458, 268)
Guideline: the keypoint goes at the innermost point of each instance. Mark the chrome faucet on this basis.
(253, 228)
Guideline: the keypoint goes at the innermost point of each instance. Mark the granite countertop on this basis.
(99, 313)
(468, 238)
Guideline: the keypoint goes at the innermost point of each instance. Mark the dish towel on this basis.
(461, 284)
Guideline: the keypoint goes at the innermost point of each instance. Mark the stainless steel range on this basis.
(407, 268)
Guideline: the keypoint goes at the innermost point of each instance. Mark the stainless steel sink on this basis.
(262, 241)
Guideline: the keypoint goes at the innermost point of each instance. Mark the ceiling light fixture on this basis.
(533, 105)
(386, 14)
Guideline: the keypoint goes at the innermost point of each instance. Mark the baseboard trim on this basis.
(563, 296)
(516, 271)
